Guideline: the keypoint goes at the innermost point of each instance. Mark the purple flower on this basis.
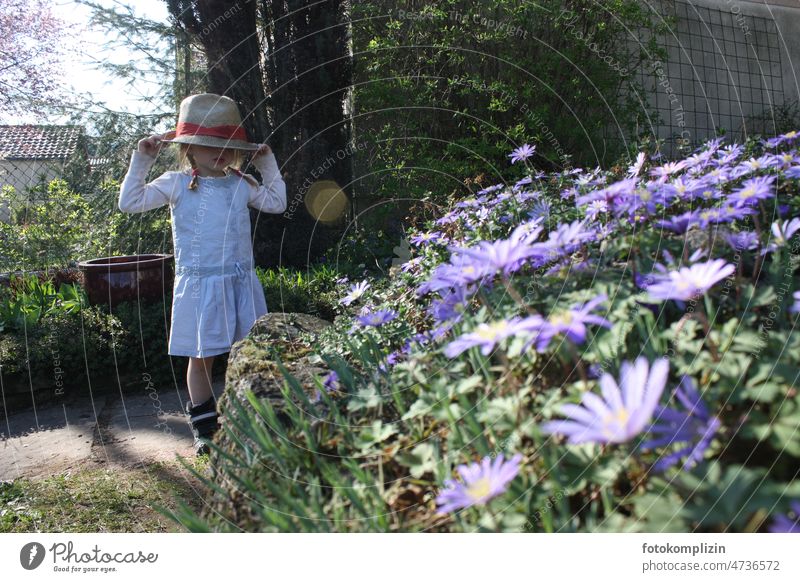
(356, 291)
(742, 241)
(522, 153)
(663, 172)
(782, 232)
(452, 305)
(482, 482)
(689, 282)
(566, 239)
(693, 427)
(596, 207)
(618, 416)
(679, 224)
(571, 323)
(425, 238)
(752, 191)
(331, 384)
(610, 194)
(751, 165)
(636, 167)
(390, 360)
(796, 307)
(784, 138)
(488, 335)
(793, 172)
(541, 209)
(506, 255)
(460, 271)
(376, 318)
(784, 523)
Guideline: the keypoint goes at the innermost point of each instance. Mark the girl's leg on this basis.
(198, 379)
(202, 409)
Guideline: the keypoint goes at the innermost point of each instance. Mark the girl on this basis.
(217, 296)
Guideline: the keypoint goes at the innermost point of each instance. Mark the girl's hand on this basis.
(262, 150)
(151, 145)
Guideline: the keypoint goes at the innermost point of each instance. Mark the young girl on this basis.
(217, 296)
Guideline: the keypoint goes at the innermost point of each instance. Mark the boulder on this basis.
(252, 366)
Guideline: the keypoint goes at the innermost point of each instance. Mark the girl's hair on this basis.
(186, 162)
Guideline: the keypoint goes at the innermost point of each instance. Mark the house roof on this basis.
(39, 142)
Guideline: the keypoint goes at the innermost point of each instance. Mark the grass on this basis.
(100, 500)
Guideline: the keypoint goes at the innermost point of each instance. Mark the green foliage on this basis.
(48, 226)
(293, 291)
(445, 90)
(29, 299)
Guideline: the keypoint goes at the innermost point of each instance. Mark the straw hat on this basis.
(210, 120)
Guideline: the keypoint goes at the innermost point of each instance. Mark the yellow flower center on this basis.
(791, 134)
(615, 421)
(562, 318)
(491, 331)
(479, 489)
(644, 195)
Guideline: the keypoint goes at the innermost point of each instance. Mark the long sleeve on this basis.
(271, 195)
(137, 196)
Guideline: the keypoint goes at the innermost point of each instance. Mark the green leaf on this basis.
(420, 460)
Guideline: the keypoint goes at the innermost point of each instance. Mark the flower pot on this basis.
(112, 280)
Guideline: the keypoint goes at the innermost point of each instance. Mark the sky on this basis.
(80, 65)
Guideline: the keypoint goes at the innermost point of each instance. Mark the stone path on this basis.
(113, 429)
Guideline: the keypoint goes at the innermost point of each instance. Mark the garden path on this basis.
(113, 430)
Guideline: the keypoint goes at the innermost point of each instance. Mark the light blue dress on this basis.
(217, 297)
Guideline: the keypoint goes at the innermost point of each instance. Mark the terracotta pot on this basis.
(111, 280)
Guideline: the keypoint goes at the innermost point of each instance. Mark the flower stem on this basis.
(516, 296)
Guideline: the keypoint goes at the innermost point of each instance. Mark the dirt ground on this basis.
(98, 463)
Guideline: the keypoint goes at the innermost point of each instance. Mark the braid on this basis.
(195, 173)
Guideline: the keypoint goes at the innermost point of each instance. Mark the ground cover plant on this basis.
(577, 351)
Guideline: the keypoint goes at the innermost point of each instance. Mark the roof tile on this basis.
(39, 142)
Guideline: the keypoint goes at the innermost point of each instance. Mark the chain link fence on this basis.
(56, 212)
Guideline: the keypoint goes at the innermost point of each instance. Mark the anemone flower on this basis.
(504, 255)
(618, 416)
(782, 232)
(331, 384)
(376, 318)
(786, 524)
(689, 282)
(742, 241)
(693, 428)
(572, 323)
(752, 191)
(795, 308)
(481, 483)
(522, 153)
(488, 335)
(356, 291)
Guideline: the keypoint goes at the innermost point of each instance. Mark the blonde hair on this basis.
(186, 162)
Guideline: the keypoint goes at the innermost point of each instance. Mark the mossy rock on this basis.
(252, 366)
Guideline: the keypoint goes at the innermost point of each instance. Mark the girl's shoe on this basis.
(203, 419)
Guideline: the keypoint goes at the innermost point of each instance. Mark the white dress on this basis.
(217, 296)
